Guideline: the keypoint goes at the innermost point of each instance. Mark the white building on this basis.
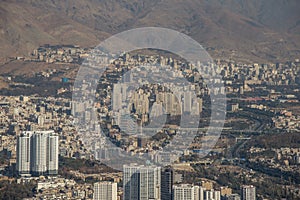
(141, 182)
(105, 191)
(248, 192)
(212, 195)
(23, 153)
(187, 102)
(187, 192)
(37, 153)
(117, 97)
(52, 154)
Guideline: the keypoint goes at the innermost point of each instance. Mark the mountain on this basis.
(245, 30)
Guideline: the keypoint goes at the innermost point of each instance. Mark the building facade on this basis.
(167, 183)
(141, 182)
(186, 192)
(105, 191)
(248, 192)
(23, 153)
(37, 153)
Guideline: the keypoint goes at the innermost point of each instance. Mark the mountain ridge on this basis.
(239, 29)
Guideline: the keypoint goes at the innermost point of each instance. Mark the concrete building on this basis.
(212, 195)
(248, 192)
(187, 192)
(52, 154)
(167, 183)
(37, 153)
(141, 182)
(117, 97)
(187, 102)
(23, 153)
(105, 191)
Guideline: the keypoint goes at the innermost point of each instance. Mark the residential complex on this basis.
(261, 103)
(248, 192)
(105, 191)
(141, 182)
(37, 153)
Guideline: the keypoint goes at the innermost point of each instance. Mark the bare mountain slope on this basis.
(243, 29)
(24, 27)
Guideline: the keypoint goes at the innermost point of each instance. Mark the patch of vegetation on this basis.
(83, 166)
(291, 140)
(14, 191)
(4, 158)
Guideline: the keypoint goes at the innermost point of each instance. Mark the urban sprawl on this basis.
(45, 142)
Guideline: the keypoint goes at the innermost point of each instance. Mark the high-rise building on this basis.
(212, 194)
(217, 195)
(23, 153)
(200, 103)
(166, 183)
(169, 100)
(105, 191)
(117, 97)
(131, 182)
(248, 192)
(141, 182)
(187, 102)
(37, 153)
(52, 154)
(186, 192)
(140, 103)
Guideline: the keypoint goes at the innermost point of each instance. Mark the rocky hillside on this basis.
(248, 30)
